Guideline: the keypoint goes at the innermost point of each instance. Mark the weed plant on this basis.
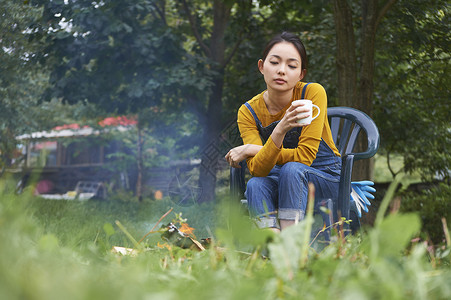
(61, 250)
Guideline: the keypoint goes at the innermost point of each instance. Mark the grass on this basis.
(90, 218)
(382, 173)
(61, 250)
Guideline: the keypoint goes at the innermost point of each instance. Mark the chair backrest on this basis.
(346, 124)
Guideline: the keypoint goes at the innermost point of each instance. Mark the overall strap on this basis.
(303, 91)
(257, 121)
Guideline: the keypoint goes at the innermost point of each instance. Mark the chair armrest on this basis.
(373, 146)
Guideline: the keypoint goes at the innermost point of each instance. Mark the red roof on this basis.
(110, 121)
(68, 126)
(116, 121)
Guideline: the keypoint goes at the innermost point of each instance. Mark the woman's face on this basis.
(282, 68)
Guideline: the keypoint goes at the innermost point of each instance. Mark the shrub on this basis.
(432, 205)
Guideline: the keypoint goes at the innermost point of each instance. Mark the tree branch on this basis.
(393, 173)
(161, 12)
(232, 53)
(196, 33)
(383, 12)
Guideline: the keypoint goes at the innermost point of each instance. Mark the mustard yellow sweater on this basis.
(270, 155)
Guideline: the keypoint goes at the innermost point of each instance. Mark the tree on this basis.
(119, 55)
(213, 27)
(412, 94)
(356, 60)
(22, 79)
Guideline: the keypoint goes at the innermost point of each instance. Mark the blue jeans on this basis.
(283, 193)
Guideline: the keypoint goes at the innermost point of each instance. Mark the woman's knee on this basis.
(253, 184)
(255, 187)
(261, 188)
(293, 170)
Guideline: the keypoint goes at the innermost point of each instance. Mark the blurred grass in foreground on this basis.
(60, 250)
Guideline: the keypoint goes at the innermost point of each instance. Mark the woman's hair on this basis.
(290, 38)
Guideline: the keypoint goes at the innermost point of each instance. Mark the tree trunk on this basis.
(355, 84)
(210, 151)
(346, 60)
(364, 169)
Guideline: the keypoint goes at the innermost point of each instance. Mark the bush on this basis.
(432, 205)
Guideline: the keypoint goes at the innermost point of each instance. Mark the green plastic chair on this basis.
(346, 124)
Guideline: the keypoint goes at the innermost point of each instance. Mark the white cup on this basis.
(309, 105)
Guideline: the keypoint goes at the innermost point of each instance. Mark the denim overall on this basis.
(284, 191)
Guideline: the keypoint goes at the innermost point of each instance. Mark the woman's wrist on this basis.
(278, 135)
(251, 149)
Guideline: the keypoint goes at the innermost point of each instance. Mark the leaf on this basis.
(393, 235)
(241, 229)
(48, 242)
(286, 251)
(187, 230)
(109, 229)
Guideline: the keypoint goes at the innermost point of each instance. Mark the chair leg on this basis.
(355, 222)
(327, 216)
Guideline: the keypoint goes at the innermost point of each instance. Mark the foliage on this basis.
(113, 54)
(120, 56)
(21, 79)
(55, 249)
(412, 98)
(432, 205)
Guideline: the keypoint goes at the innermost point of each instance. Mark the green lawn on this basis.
(383, 174)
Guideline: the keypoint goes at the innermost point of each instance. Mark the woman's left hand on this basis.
(240, 153)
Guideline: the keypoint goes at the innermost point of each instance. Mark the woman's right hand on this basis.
(294, 113)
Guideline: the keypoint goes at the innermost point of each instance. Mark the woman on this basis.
(282, 155)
